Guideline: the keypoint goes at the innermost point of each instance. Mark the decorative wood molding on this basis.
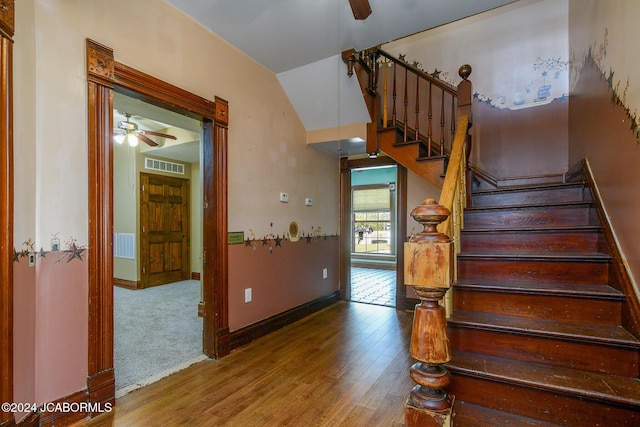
(6, 209)
(195, 275)
(253, 332)
(100, 63)
(76, 400)
(7, 18)
(222, 112)
(127, 284)
(100, 377)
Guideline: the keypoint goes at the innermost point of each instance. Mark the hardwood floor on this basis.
(345, 365)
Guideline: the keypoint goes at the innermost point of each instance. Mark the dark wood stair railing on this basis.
(413, 114)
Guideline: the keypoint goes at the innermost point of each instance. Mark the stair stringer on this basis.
(431, 169)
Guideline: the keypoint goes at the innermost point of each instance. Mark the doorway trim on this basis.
(346, 166)
(104, 74)
(6, 208)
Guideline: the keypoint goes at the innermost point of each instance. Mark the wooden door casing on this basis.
(164, 229)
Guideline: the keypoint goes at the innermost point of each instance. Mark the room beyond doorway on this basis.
(373, 235)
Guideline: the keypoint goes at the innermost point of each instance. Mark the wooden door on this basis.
(164, 229)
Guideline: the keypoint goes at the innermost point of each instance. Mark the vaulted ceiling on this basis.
(301, 42)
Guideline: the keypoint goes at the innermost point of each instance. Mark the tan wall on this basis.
(599, 129)
(267, 149)
(516, 51)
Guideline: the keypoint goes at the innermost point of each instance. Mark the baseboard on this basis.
(250, 333)
(32, 419)
(127, 284)
(195, 275)
(78, 404)
(101, 388)
(622, 278)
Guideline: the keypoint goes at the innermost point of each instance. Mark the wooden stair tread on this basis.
(430, 158)
(540, 256)
(471, 415)
(590, 385)
(593, 291)
(526, 207)
(574, 331)
(535, 187)
(541, 229)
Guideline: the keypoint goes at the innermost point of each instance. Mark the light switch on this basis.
(308, 201)
(284, 197)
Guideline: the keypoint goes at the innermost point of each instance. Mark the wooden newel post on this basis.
(428, 268)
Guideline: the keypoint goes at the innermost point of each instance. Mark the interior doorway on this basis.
(104, 74)
(157, 205)
(373, 206)
(373, 235)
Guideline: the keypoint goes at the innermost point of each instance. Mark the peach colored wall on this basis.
(24, 363)
(281, 277)
(599, 129)
(61, 325)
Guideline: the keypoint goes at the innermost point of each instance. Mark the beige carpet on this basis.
(155, 330)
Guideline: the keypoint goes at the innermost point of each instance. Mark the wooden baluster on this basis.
(417, 134)
(429, 121)
(428, 268)
(393, 111)
(406, 105)
(442, 124)
(384, 94)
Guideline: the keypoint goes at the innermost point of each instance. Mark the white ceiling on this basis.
(287, 34)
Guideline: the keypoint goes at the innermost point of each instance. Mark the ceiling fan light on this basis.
(119, 138)
(132, 140)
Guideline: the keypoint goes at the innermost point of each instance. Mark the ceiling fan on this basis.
(361, 9)
(129, 131)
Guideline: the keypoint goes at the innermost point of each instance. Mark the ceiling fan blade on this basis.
(147, 140)
(361, 9)
(163, 135)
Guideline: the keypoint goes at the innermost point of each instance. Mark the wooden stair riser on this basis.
(527, 197)
(541, 404)
(520, 217)
(554, 307)
(529, 242)
(524, 270)
(588, 356)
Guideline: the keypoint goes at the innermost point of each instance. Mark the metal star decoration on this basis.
(278, 240)
(74, 252)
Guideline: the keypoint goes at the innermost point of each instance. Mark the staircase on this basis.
(536, 333)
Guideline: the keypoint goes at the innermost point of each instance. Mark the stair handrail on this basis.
(419, 120)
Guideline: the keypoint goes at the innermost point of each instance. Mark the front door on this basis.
(164, 229)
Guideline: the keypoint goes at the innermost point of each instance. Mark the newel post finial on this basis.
(428, 268)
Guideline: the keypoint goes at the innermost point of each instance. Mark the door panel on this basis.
(164, 229)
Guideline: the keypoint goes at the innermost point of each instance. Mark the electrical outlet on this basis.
(247, 295)
(325, 273)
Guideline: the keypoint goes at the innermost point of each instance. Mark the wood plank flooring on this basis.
(347, 365)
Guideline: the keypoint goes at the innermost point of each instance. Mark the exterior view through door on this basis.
(373, 225)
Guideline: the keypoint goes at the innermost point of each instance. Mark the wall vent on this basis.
(124, 245)
(163, 166)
